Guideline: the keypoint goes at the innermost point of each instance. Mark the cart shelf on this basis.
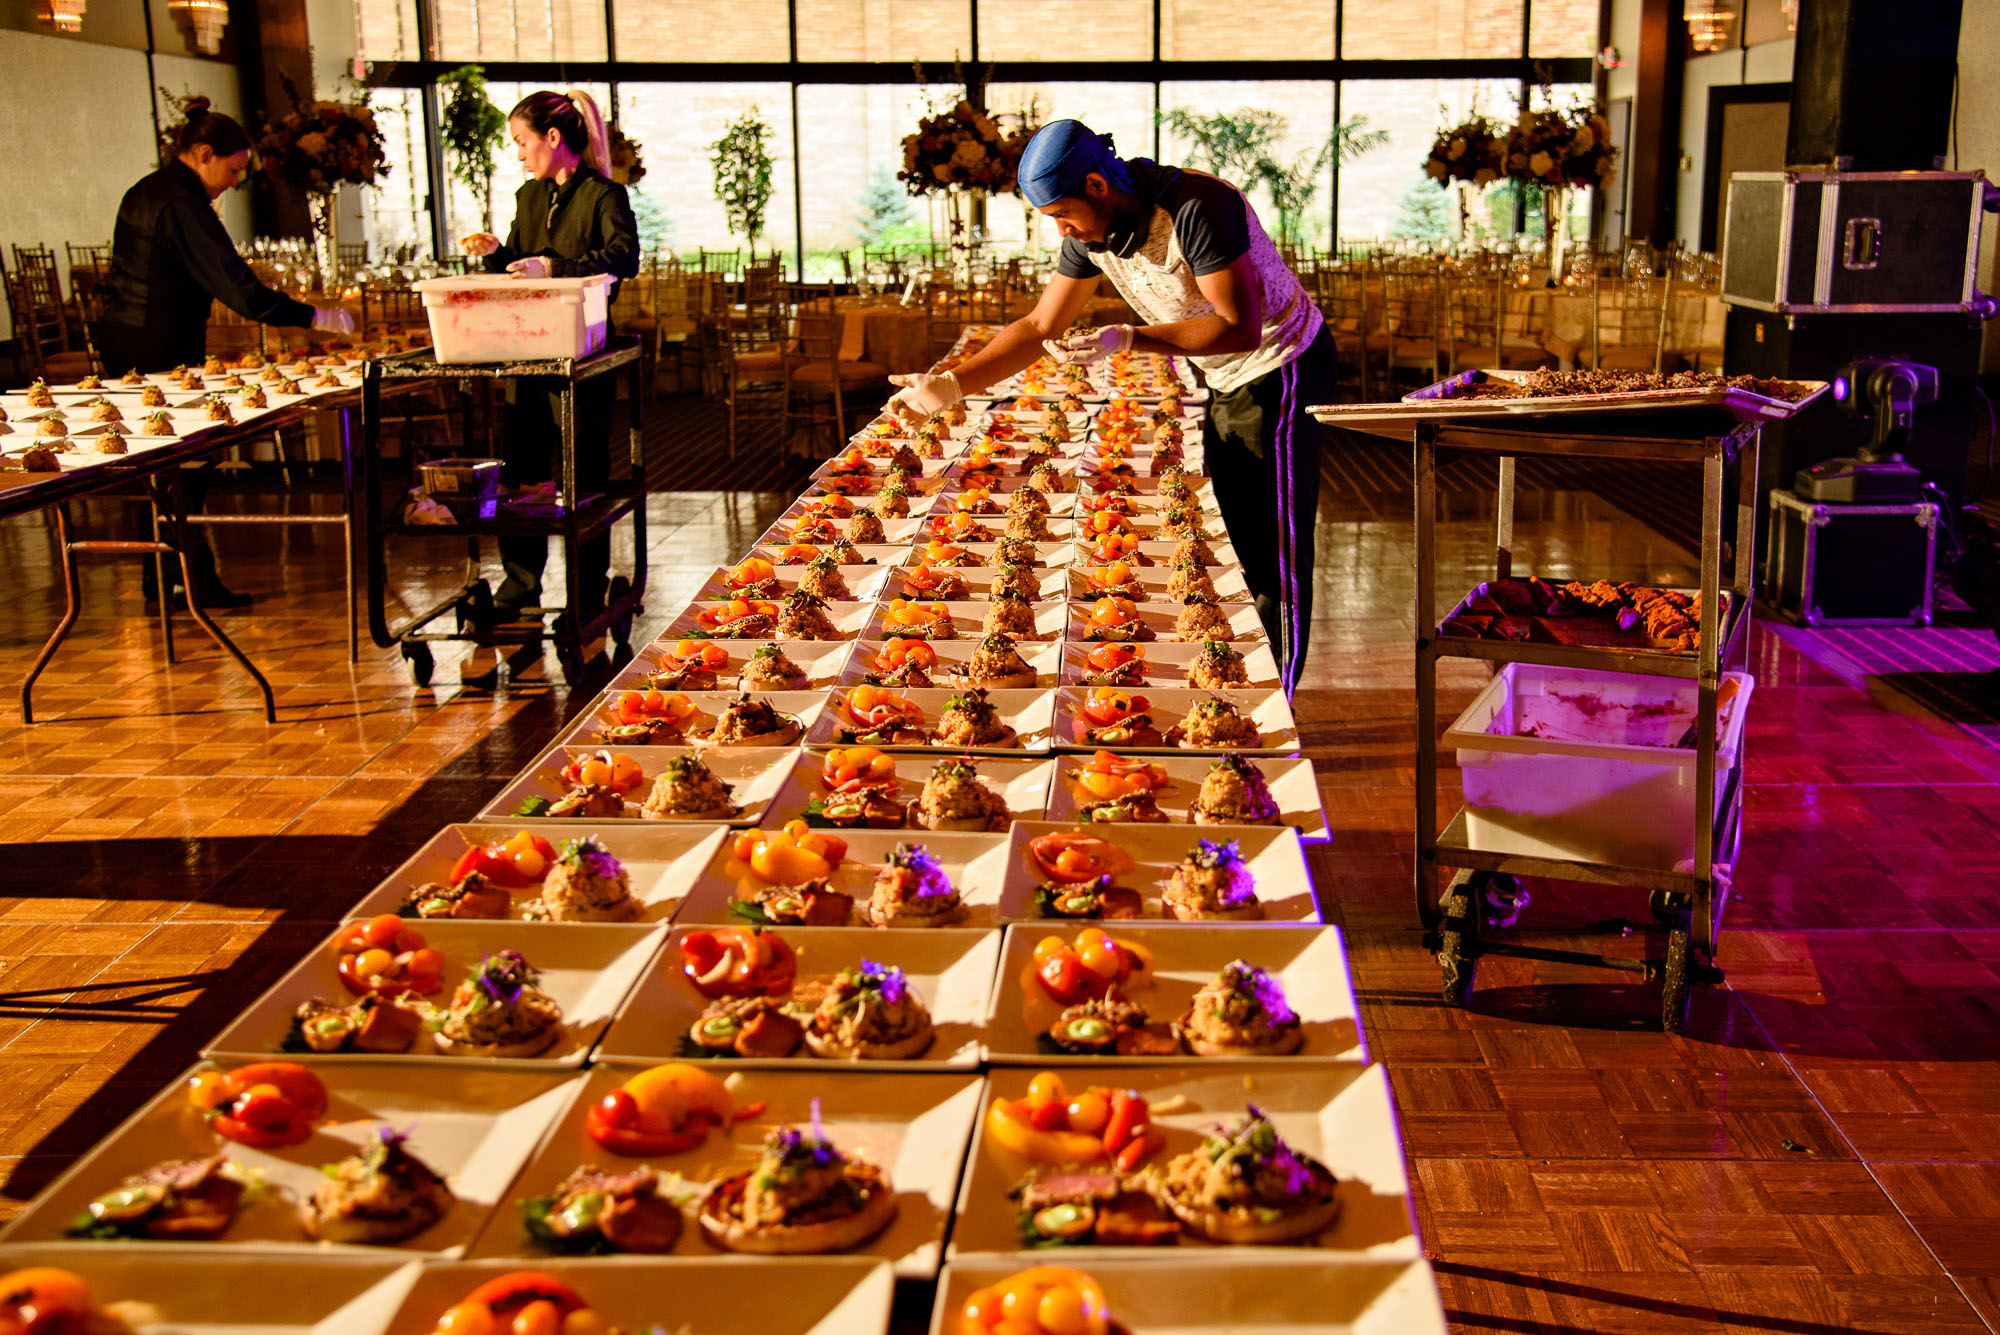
(1650, 662)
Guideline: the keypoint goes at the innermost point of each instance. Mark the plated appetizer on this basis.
(804, 618)
(904, 664)
(1119, 718)
(997, 664)
(954, 797)
(749, 721)
(970, 719)
(1216, 667)
(923, 621)
(596, 787)
(1119, 790)
(1246, 1186)
(794, 864)
(1052, 1126)
(385, 956)
(178, 1200)
(1018, 580)
(1117, 549)
(1117, 580)
(912, 890)
(753, 577)
(1028, 499)
(497, 1012)
(594, 1213)
(1235, 792)
(1242, 1013)
(1214, 724)
(1195, 549)
(1212, 884)
(879, 718)
(265, 1105)
(1078, 877)
(585, 883)
(380, 1194)
(524, 1301)
(688, 789)
(823, 579)
(480, 882)
(1188, 580)
(1012, 615)
(666, 1109)
(1114, 665)
(865, 526)
(770, 668)
(1202, 619)
(372, 1025)
(870, 1014)
(741, 619)
(1046, 1300)
(923, 581)
(158, 424)
(648, 718)
(803, 1196)
(861, 785)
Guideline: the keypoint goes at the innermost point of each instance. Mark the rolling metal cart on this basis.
(580, 518)
(1715, 432)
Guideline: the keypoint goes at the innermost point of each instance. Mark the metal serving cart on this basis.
(1713, 430)
(578, 519)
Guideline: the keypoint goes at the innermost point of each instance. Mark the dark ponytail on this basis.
(575, 117)
(224, 137)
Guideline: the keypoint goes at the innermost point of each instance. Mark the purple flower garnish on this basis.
(790, 1142)
(1213, 854)
(504, 976)
(1245, 977)
(590, 853)
(887, 979)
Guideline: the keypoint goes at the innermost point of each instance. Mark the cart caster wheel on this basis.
(1502, 897)
(1458, 935)
(418, 656)
(1669, 908)
(1676, 980)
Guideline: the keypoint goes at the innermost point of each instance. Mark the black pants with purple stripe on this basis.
(1262, 451)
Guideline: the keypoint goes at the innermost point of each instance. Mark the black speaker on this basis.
(1872, 82)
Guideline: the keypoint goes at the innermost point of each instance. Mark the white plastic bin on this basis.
(1571, 763)
(500, 318)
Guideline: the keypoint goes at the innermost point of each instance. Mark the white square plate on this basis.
(1027, 712)
(585, 969)
(587, 728)
(950, 971)
(1340, 1114)
(1293, 787)
(661, 859)
(475, 1126)
(974, 863)
(916, 1127)
(1022, 783)
(1310, 963)
(715, 1295)
(1166, 665)
(1229, 1293)
(754, 775)
(1269, 710)
(1271, 854)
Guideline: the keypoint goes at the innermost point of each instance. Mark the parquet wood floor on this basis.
(1817, 1154)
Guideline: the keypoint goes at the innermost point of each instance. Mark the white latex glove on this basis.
(534, 266)
(333, 320)
(479, 243)
(922, 396)
(1091, 345)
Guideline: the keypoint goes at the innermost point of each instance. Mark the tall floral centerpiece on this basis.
(316, 148)
(1560, 149)
(962, 154)
(1472, 156)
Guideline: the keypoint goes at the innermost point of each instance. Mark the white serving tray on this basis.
(475, 1126)
(1268, 709)
(967, 618)
(820, 660)
(1028, 712)
(1245, 625)
(660, 859)
(864, 582)
(1166, 666)
(953, 655)
(1023, 783)
(754, 774)
(1339, 1113)
(915, 1126)
(1293, 787)
(974, 863)
(715, 1295)
(847, 617)
(585, 969)
(1311, 964)
(197, 1289)
(586, 728)
(1271, 853)
(951, 971)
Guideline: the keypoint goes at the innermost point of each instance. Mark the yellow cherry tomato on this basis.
(1089, 1112)
(1046, 1088)
(540, 1317)
(466, 1319)
(1061, 1312)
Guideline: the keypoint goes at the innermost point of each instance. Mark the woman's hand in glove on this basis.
(923, 396)
(1091, 345)
(479, 243)
(333, 320)
(534, 266)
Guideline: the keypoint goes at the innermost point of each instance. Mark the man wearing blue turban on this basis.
(1188, 254)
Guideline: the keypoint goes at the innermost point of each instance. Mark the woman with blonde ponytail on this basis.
(570, 220)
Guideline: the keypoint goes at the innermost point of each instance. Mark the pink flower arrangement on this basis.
(319, 146)
(960, 149)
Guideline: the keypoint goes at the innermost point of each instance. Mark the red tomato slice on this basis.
(1091, 858)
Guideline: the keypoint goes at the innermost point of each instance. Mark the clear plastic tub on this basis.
(500, 318)
(1570, 763)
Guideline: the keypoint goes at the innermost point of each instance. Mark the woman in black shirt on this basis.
(570, 220)
(171, 259)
